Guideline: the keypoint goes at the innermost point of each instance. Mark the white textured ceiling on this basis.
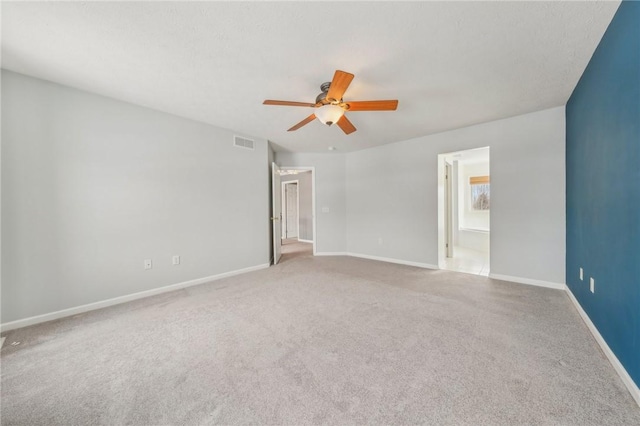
(450, 64)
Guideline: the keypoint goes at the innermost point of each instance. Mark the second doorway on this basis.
(297, 230)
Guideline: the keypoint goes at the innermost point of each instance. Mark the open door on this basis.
(277, 212)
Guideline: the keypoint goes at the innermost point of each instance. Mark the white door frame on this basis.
(313, 199)
(286, 221)
(448, 206)
(442, 253)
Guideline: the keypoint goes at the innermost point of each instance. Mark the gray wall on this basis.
(392, 194)
(330, 194)
(305, 213)
(91, 186)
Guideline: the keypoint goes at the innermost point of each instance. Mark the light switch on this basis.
(325, 210)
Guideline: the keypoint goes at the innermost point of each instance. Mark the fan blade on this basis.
(307, 120)
(372, 105)
(346, 126)
(288, 103)
(341, 80)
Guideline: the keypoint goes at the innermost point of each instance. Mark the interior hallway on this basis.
(292, 248)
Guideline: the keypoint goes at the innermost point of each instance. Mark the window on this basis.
(480, 192)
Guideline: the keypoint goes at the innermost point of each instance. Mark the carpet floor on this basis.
(319, 340)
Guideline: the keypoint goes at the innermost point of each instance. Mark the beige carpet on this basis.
(319, 340)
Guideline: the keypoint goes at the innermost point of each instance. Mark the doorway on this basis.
(464, 211)
(294, 224)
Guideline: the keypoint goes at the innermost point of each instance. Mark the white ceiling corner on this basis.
(450, 64)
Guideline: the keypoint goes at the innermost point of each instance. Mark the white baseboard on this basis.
(305, 241)
(390, 260)
(613, 359)
(12, 325)
(331, 253)
(528, 281)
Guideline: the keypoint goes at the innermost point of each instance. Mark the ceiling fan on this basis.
(330, 107)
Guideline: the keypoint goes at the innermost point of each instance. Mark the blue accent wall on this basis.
(603, 187)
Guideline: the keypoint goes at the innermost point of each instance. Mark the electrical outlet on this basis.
(148, 264)
(176, 260)
(592, 285)
(581, 275)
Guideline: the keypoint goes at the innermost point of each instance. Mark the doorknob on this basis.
(275, 218)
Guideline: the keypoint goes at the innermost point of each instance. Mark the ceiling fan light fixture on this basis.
(330, 108)
(329, 114)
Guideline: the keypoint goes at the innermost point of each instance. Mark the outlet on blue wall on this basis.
(603, 187)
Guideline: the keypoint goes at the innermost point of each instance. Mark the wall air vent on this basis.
(241, 142)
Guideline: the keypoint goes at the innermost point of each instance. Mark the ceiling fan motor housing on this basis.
(322, 97)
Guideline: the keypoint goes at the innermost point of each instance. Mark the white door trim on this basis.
(448, 208)
(442, 253)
